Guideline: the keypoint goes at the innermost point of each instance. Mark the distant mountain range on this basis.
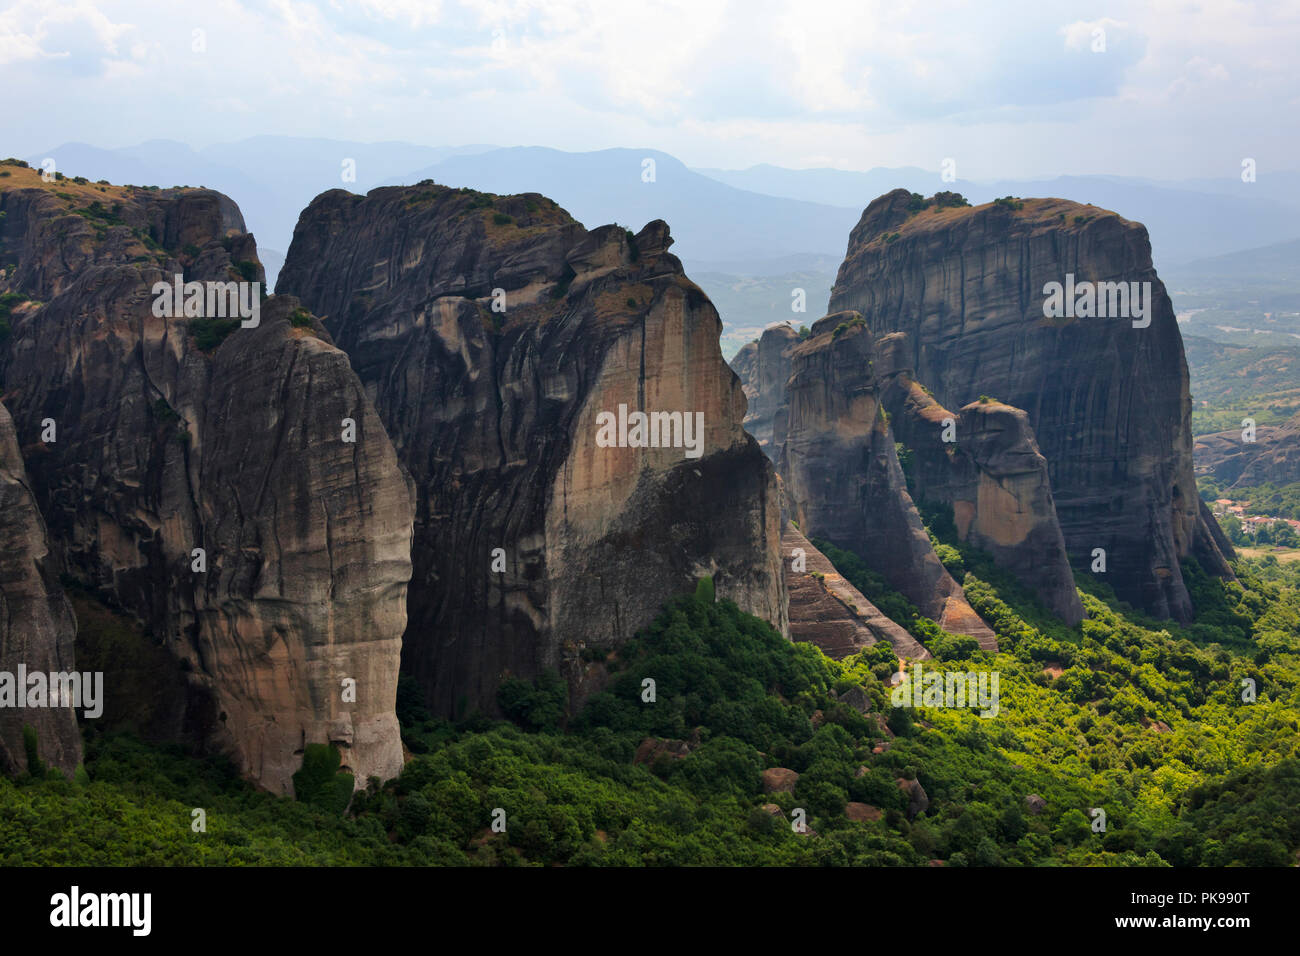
(762, 221)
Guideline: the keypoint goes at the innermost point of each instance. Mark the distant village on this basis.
(1262, 529)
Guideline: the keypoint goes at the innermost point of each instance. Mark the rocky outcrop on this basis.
(202, 475)
(842, 476)
(36, 623)
(828, 611)
(1272, 458)
(1108, 402)
(495, 335)
(763, 367)
(991, 473)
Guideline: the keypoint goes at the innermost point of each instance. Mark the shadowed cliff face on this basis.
(1108, 402)
(763, 367)
(843, 478)
(496, 414)
(36, 623)
(991, 473)
(163, 448)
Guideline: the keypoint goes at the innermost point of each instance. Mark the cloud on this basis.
(722, 82)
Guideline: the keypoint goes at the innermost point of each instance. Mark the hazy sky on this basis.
(1181, 89)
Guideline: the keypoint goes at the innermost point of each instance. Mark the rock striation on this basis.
(496, 337)
(1108, 402)
(991, 473)
(763, 367)
(1272, 458)
(842, 476)
(36, 623)
(200, 475)
(828, 611)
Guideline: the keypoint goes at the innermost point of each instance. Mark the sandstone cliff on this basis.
(828, 611)
(175, 434)
(991, 473)
(493, 333)
(36, 623)
(843, 478)
(1108, 402)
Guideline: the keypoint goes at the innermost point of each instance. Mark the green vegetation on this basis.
(1279, 501)
(501, 219)
(940, 200)
(1013, 203)
(1144, 719)
(163, 411)
(210, 333)
(320, 783)
(32, 749)
(857, 322)
(300, 319)
(7, 302)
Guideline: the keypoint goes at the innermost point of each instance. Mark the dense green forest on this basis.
(1140, 718)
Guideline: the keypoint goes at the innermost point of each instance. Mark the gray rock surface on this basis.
(495, 414)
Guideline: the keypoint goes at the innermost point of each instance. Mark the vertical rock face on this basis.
(36, 623)
(763, 367)
(843, 478)
(494, 335)
(991, 473)
(1108, 402)
(171, 438)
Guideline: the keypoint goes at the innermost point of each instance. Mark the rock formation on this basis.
(36, 623)
(495, 335)
(995, 478)
(991, 473)
(763, 367)
(1108, 401)
(152, 436)
(1272, 458)
(843, 479)
(828, 611)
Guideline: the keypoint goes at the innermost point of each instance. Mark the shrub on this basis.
(320, 783)
(536, 705)
(210, 333)
(35, 766)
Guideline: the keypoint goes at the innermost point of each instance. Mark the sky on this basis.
(1164, 88)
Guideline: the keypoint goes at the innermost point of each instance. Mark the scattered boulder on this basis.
(779, 780)
(918, 800)
(856, 698)
(1035, 804)
(652, 748)
(862, 812)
